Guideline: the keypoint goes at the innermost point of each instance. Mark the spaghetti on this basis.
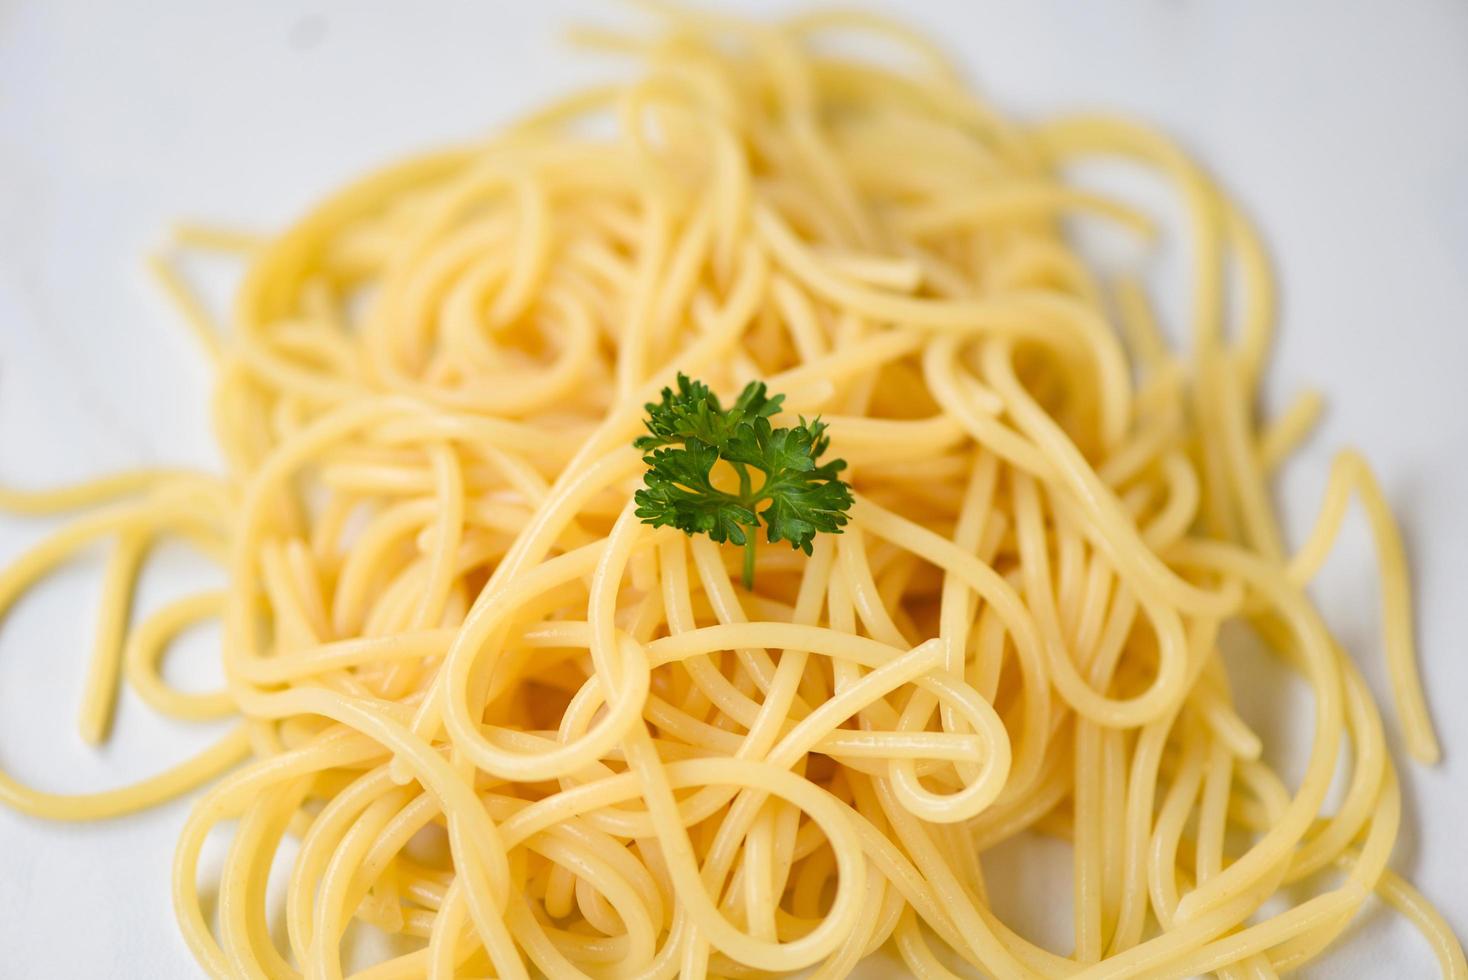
(512, 725)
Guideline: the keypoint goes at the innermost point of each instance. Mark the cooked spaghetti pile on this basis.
(521, 731)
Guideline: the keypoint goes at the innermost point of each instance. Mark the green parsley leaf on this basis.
(694, 412)
(689, 432)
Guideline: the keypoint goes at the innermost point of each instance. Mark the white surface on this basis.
(1343, 127)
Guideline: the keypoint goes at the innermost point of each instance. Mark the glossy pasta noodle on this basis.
(509, 724)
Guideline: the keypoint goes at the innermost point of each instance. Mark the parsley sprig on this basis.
(689, 432)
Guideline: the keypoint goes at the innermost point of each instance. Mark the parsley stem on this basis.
(745, 486)
(749, 561)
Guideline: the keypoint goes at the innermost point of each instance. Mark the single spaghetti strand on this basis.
(99, 695)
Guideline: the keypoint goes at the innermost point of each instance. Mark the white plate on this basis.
(1343, 127)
